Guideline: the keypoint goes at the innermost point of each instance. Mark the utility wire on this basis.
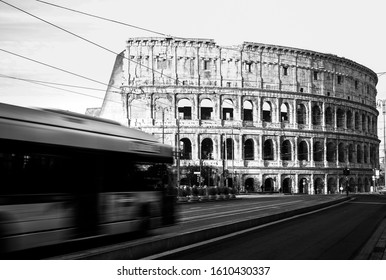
(54, 67)
(156, 32)
(282, 61)
(50, 83)
(51, 86)
(103, 18)
(83, 38)
(140, 28)
(80, 37)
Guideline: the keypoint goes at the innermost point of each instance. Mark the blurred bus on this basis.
(66, 176)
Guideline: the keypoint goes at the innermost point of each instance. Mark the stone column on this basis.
(196, 149)
(278, 70)
(296, 187)
(294, 112)
(326, 183)
(239, 108)
(296, 82)
(325, 152)
(197, 109)
(198, 66)
(311, 185)
(310, 115)
(296, 151)
(278, 140)
(241, 69)
(176, 65)
(312, 151)
(261, 70)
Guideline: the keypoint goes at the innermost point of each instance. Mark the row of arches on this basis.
(305, 186)
(331, 151)
(300, 112)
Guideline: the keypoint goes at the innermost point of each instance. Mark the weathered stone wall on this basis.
(294, 119)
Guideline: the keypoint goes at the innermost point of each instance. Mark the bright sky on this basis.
(348, 28)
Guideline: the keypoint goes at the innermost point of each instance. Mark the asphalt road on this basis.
(336, 233)
(200, 221)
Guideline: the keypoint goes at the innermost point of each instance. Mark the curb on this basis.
(379, 251)
(168, 242)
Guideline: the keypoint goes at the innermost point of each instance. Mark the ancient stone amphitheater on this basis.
(255, 116)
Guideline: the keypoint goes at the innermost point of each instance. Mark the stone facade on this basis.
(290, 120)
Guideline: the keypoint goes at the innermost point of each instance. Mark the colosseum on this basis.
(258, 117)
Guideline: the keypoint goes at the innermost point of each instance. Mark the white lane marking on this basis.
(235, 212)
(184, 248)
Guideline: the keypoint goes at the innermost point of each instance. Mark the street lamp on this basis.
(382, 103)
(162, 109)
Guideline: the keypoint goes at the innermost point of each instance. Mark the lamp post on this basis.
(382, 103)
(162, 109)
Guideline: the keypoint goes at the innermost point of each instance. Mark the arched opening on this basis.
(331, 186)
(303, 185)
(349, 120)
(207, 149)
(228, 147)
(340, 118)
(318, 151)
(342, 185)
(206, 109)
(249, 185)
(359, 154)
(247, 111)
(227, 109)
(287, 185)
(269, 185)
(184, 109)
(316, 115)
(267, 112)
(331, 152)
(365, 154)
(341, 153)
(229, 182)
(249, 150)
(357, 121)
(303, 151)
(268, 150)
(367, 185)
(352, 187)
(351, 153)
(185, 148)
(301, 114)
(361, 187)
(363, 122)
(286, 150)
(373, 154)
(318, 186)
(284, 112)
(329, 117)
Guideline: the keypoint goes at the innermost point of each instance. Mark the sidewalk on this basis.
(375, 248)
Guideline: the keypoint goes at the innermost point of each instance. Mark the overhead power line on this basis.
(49, 83)
(85, 39)
(54, 67)
(103, 18)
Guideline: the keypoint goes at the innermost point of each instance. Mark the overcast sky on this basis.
(351, 29)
